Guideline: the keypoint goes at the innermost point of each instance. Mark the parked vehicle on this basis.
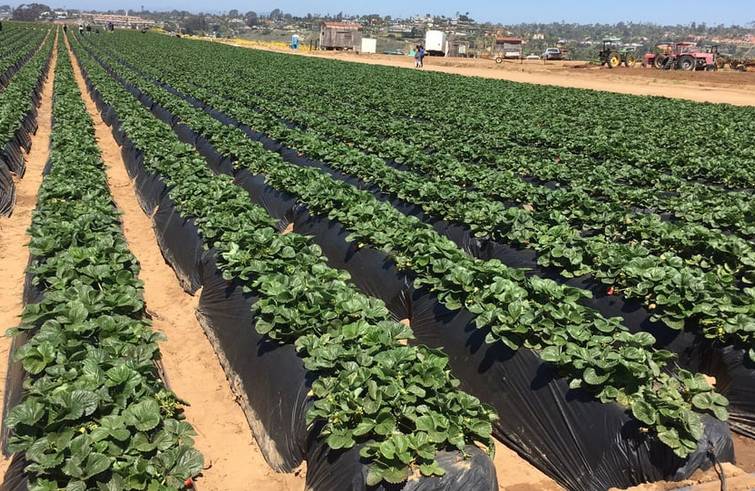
(658, 57)
(553, 54)
(613, 54)
(532, 57)
(436, 43)
(682, 56)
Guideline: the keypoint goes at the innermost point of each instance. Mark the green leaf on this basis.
(144, 415)
(341, 439)
(28, 412)
(644, 412)
(433, 469)
(95, 464)
(591, 377)
(77, 312)
(396, 475)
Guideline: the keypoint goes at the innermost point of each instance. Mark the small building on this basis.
(507, 47)
(458, 48)
(340, 36)
(369, 45)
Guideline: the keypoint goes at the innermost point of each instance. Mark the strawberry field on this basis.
(395, 269)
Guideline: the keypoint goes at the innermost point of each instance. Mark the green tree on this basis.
(30, 11)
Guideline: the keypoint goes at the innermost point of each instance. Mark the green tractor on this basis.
(613, 54)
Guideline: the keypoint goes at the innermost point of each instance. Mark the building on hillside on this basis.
(340, 35)
(127, 21)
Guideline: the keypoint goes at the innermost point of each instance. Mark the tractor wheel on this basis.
(630, 61)
(659, 61)
(687, 63)
(614, 60)
(499, 60)
(711, 68)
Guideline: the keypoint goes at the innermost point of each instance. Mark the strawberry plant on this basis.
(399, 402)
(570, 336)
(94, 413)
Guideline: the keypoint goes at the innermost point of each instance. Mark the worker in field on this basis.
(419, 54)
(81, 29)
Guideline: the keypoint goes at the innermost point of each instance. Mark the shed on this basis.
(508, 47)
(369, 45)
(340, 36)
(458, 48)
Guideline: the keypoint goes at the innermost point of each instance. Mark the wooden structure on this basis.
(507, 47)
(340, 36)
(458, 48)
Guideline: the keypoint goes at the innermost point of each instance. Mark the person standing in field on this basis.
(422, 54)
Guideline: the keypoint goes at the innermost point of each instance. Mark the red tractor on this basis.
(682, 56)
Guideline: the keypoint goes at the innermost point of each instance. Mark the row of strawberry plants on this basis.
(386, 136)
(627, 185)
(18, 105)
(12, 38)
(17, 50)
(94, 413)
(677, 290)
(526, 115)
(383, 125)
(17, 98)
(595, 353)
(399, 402)
(572, 206)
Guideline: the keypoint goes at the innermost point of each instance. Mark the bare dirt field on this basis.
(719, 87)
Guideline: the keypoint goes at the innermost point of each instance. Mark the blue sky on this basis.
(505, 11)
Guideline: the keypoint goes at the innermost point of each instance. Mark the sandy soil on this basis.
(14, 253)
(516, 474)
(744, 449)
(736, 480)
(719, 87)
(232, 459)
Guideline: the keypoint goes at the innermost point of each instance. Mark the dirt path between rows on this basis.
(14, 251)
(232, 459)
(721, 87)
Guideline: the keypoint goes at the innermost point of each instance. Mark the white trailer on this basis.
(436, 43)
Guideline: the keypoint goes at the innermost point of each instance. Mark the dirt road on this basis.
(718, 87)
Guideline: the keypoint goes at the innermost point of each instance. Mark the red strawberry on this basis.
(188, 484)
(611, 291)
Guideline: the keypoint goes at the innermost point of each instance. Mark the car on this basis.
(532, 57)
(553, 54)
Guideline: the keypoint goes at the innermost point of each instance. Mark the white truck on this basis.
(436, 43)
